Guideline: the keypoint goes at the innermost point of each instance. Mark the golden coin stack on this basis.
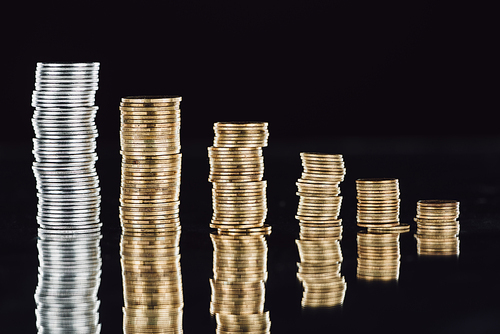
(238, 286)
(437, 227)
(379, 256)
(149, 214)
(320, 229)
(236, 172)
(378, 204)
(319, 268)
(318, 189)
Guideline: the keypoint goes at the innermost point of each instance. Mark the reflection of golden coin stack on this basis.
(238, 286)
(378, 256)
(319, 270)
(320, 229)
(437, 227)
(236, 171)
(149, 214)
(378, 203)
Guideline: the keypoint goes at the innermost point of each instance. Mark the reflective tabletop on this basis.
(288, 281)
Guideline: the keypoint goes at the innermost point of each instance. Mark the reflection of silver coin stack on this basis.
(68, 197)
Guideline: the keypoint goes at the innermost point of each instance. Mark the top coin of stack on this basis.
(378, 204)
(151, 162)
(236, 172)
(437, 227)
(318, 188)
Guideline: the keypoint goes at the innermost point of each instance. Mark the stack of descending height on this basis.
(320, 230)
(239, 212)
(149, 214)
(68, 197)
(236, 172)
(378, 204)
(318, 189)
(437, 227)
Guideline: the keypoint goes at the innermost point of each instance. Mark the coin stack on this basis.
(68, 197)
(236, 172)
(379, 256)
(378, 204)
(318, 190)
(149, 213)
(438, 227)
(319, 268)
(238, 286)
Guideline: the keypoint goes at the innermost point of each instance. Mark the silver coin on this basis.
(93, 64)
(63, 142)
(47, 94)
(40, 75)
(54, 167)
(66, 110)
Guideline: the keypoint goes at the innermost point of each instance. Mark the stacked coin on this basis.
(378, 256)
(152, 282)
(236, 172)
(151, 163)
(378, 204)
(319, 268)
(149, 213)
(64, 146)
(68, 197)
(318, 189)
(238, 286)
(437, 227)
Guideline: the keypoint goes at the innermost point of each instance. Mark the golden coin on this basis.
(152, 99)
(378, 224)
(402, 228)
(320, 156)
(238, 124)
(171, 109)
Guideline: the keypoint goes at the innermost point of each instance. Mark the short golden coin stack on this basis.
(239, 212)
(438, 227)
(320, 230)
(149, 214)
(318, 189)
(378, 204)
(236, 172)
(319, 270)
(379, 256)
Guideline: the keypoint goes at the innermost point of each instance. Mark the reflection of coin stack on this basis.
(236, 171)
(238, 286)
(320, 229)
(437, 227)
(378, 256)
(149, 214)
(319, 271)
(378, 204)
(69, 200)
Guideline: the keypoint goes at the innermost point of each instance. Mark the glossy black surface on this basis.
(433, 294)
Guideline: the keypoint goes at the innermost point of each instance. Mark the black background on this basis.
(403, 89)
(321, 68)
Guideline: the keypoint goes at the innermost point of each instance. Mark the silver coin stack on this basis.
(68, 197)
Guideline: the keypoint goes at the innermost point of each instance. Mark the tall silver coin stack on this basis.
(68, 197)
